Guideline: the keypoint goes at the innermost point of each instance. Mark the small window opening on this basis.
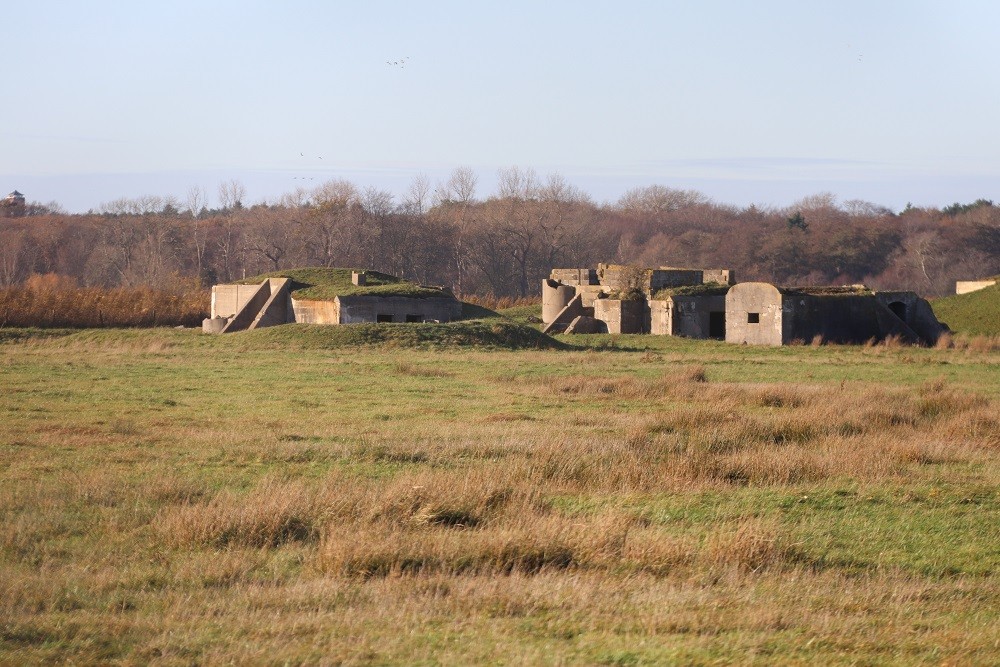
(753, 318)
(383, 318)
(414, 318)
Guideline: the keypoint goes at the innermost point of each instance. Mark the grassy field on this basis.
(287, 497)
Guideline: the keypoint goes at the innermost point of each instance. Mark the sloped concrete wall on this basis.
(572, 310)
(248, 313)
(227, 300)
(276, 310)
(918, 314)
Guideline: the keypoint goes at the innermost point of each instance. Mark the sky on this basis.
(763, 102)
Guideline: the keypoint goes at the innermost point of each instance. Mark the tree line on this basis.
(501, 244)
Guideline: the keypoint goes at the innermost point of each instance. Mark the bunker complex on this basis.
(326, 296)
(705, 303)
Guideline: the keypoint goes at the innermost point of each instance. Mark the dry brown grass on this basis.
(55, 301)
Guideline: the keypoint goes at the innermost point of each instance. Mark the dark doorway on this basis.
(383, 318)
(899, 309)
(414, 318)
(717, 325)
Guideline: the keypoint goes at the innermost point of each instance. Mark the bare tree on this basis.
(231, 195)
(517, 183)
(654, 200)
(417, 195)
(196, 200)
(459, 188)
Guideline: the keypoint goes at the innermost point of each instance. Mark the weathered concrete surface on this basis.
(227, 300)
(761, 314)
(213, 325)
(575, 276)
(248, 313)
(966, 286)
(754, 314)
(277, 310)
(354, 309)
(572, 310)
(586, 325)
(721, 276)
(699, 316)
(661, 321)
(555, 297)
(316, 312)
(621, 317)
(915, 312)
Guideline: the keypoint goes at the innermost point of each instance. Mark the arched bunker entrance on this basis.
(899, 309)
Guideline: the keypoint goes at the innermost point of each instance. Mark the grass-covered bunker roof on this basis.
(322, 284)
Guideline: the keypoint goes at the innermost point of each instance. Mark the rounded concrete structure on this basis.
(555, 297)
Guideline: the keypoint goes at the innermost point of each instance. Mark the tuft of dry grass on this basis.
(751, 544)
(272, 514)
(55, 301)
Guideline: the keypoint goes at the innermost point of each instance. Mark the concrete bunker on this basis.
(762, 314)
(327, 296)
(630, 299)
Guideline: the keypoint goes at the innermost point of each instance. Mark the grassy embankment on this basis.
(976, 313)
(168, 496)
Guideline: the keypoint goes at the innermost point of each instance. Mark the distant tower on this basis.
(12, 206)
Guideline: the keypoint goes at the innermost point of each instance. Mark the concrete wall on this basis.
(917, 314)
(616, 277)
(721, 276)
(665, 277)
(761, 299)
(661, 317)
(575, 276)
(399, 309)
(316, 312)
(621, 316)
(227, 300)
(966, 286)
(692, 315)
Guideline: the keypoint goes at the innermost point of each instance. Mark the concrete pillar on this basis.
(555, 297)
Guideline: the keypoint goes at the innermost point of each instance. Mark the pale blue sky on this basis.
(761, 102)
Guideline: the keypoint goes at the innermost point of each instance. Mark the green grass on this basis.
(976, 313)
(489, 333)
(173, 497)
(322, 284)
